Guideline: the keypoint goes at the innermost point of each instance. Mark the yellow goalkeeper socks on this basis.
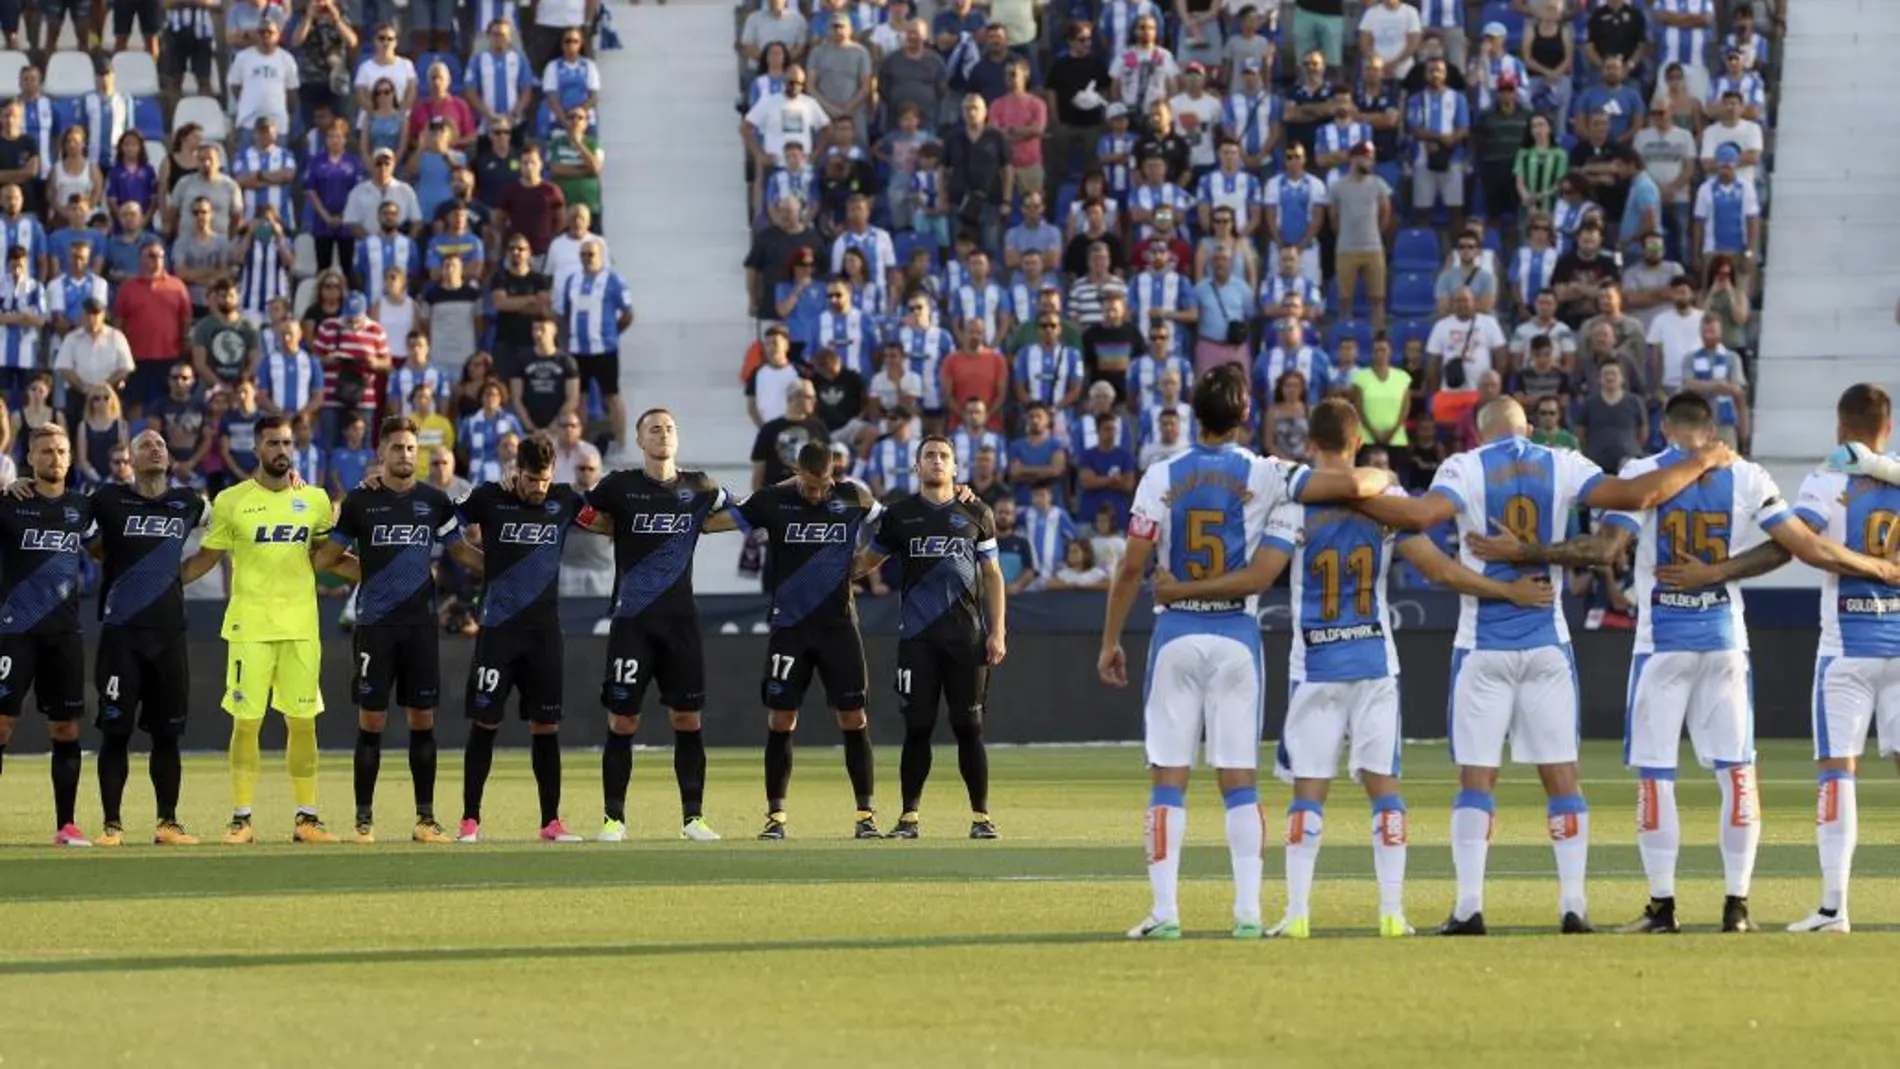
(300, 754)
(244, 763)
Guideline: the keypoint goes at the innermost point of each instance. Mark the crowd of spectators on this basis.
(1030, 226)
(365, 208)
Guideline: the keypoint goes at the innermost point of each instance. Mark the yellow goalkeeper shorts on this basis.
(274, 675)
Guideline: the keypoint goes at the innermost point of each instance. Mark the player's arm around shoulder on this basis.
(1627, 493)
(1529, 592)
(220, 536)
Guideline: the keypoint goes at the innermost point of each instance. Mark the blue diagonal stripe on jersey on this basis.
(935, 594)
(819, 578)
(655, 574)
(517, 588)
(391, 586)
(135, 589)
(40, 593)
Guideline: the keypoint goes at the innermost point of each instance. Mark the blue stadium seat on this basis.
(1416, 249)
(1404, 330)
(149, 116)
(1361, 308)
(1411, 293)
(1392, 172)
(905, 243)
(1065, 196)
(1494, 240)
(1357, 329)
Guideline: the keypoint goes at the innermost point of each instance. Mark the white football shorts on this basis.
(1709, 692)
(1528, 696)
(1321, 717)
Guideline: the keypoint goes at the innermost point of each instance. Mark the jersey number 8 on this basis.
(1520, 518)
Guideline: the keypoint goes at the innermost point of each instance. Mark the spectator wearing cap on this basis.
(1440, 123)
(362, 209)
(388, 247)
(499, 82)
(1727, 216)
(1224, 306)
(1076, 90)
(1735, 130)
(1252, 115)
(1293, 211)
(1493, 66)
(1197, 115)
(531, 206)
(765, 387)
(1392, 30)
(329, 181)
(1615, 28)
(1503, 128)
(1360, 203)
(1738, 79)
(93, 355)
(355, 355)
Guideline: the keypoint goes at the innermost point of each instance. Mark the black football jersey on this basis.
(521, 549)
(938, 547)
(811, 549)
(394, 535)
(41, 540)
(656, 530)
(144, 542)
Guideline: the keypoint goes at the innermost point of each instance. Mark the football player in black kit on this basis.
(657, 514)
(951, 583)
(141, 670)
(523, 523)
(40, 646)
(394, 527)
(812, 525)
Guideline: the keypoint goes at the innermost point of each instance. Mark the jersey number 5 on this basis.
(1203, 537)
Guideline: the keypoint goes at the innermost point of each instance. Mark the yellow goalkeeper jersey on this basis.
(269, 535)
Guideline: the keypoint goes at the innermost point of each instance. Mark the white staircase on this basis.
(1834, 264)
(675, 202)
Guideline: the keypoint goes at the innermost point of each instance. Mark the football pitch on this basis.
(940, 952)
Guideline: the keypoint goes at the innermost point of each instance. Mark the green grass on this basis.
(941, 952)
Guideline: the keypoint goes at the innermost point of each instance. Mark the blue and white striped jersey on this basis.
(1145, 374)
(592, 305)
(253, 161)
(1724, 209)
(264, 275)
(1048, 534)
(1274, 290)
(290, 380)
(25, 232)
(404, 380)
(20, 345)
(1687, 45)
(1205, 510)
(106, 119)
(1342, 626)
(1442, 112)
(853, 335)
(1340, 137)
(1048, 372)
(924, 351)
(66, 295)
(1251, 119)
(1859, 617)
(379, 252)
(986, 302)
(1154, 198)
(1529, 490)
(308, 463)
(1291, 202)
(1165, 291)
(1236, 192)
(894, 465)
(1119, 175)
(965, 446)
(43, 129)
(1705, 523)
(501, 81)
(880, 254)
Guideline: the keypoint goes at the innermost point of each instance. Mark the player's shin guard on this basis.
(973, 762)
(115, 765)
(368, 765)
(778, 769)
(859, 765)
(1836, 831)
(167, 772)
(245, 761)
(913, 768)
(1166, 831)
(1246, 843)
(1658, 829)
(1472, 815)
(1741, 826)
(477, 758)
(65, 781)
(1305, 822)
(422, 770)
(544, 753)
(300, 757)
(616, 771)
(1391, 837)
(689, 768)
(1569, 820)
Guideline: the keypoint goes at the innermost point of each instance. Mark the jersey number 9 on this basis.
(1203, 538)
(1880, 537)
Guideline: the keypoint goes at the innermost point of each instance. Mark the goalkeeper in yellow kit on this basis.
(271, 531)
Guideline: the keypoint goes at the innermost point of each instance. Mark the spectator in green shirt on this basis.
(1547, 427)
(575, 160)
(1540, 166)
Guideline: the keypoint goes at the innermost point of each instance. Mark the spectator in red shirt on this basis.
(354, 352)
(1023, 118)
(439, 103)
(532, 207)
(976, 371)
(154, 312)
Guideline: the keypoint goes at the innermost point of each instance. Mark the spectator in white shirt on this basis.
(1730, 128)
(765, 390)
(1392, 30)
(265, 77)
(1463, 344)
(96, 354)
(1673, 335)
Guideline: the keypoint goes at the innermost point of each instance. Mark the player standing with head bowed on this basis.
(1513, 674)
(395, 524)
(1691, 667)
(271, 529)
(1857, 670)
(142, 670)
(1344, 668)
(657, 514)
(952, 583)
(812, 524)
(1201, 513)
(523, 522)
